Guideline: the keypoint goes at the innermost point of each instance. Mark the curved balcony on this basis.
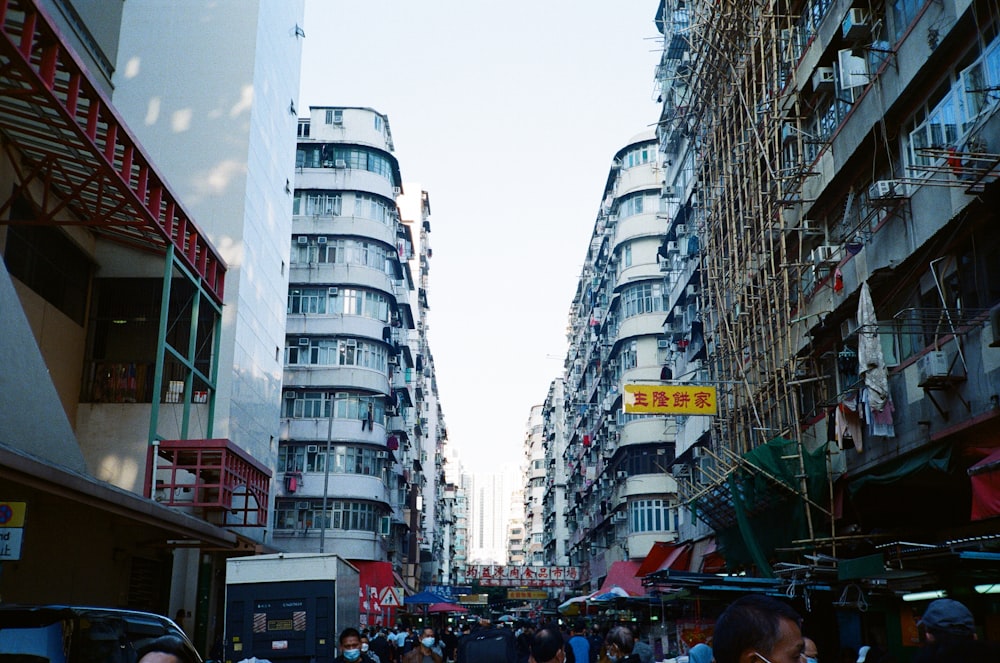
(640, 543)
(341, 274)
(647, 224)
(342, 377)
(345, 225)
(643, 485)
(638, 178)
(645, 324)
(345, 179)
(640, 272)
(343, 487)
(301, 324)
(647, 430)
(315, 430)
(349, 544)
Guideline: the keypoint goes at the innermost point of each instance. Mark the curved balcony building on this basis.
(619, 498)
(348, 394)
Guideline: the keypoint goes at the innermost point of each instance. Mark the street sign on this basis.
(689, 399)
(388, 598)
(11, 530)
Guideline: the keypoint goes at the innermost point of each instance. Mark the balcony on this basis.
(214, 477)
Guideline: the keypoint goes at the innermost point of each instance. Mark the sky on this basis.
(508, 114)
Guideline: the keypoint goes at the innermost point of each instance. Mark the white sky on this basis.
(508, 114)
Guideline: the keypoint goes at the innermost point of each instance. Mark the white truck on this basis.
(288, 607)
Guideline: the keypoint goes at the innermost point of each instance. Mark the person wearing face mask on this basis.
(758, 629)
(809, 650)
(619, 645)
(426, 651)
(366, 649)
(350, 648)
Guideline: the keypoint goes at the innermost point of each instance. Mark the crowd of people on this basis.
(753, 629)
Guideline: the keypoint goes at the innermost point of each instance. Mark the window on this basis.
(334, 116)
(46, 261)
(642, 298)
(638, 156)
(341, 514)
(631, 205)
(310, 300)
(651, 516)
(373, 207)
(330, 155)
(345, 405)
(627, 255)
(378, 122)
(317, 203)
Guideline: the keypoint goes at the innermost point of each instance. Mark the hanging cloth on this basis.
(871, 362)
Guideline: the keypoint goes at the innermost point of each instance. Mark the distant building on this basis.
(490, 503)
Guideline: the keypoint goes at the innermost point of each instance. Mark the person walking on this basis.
(350, 648)
(948, 632)
(578, 642)
(758, 629)
(425, 650)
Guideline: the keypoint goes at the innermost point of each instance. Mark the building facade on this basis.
(619, 499)
(834, 167)
(534, 482)
(150, 197)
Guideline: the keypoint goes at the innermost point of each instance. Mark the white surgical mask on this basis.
(428, 642)
(364, 646)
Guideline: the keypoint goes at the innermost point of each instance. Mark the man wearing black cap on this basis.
(949, 633)
(547, 646)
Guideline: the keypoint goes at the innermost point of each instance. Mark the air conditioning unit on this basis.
(303, 341)
(681, 229)
(824, 255)
(622, 475)
(933, 365)
(302, 506)
(351, 342)
(823, 78)
(393, 360)
(397, 190)
(302, 240)
(885, 192)
(848, 327)
(662, 344)
(620, 517)
(312, 448)
(668, 191)
(855, 25)
(321, 239)
(381, 454)
(340, 163)
(691, 291)
(333, 291)
(612, 363)
(672, 247)
(291, 395)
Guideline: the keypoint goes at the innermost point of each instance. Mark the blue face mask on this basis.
(352, 654)
(428, 642)
(811, 660)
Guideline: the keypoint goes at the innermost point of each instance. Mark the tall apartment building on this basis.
(619, 499)
(145, 209)
(359, 403)
(835, 165)
(490, 498)
(555, 533)
(534, 489)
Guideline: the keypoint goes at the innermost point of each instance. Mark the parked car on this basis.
(71, 634)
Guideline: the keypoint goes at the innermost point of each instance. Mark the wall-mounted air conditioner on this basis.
(824, 255)
(622, 475)
(931, 366)
(302, 506)
(291, 395)
(321, 240)
(302, 240)
(823, 78)
(620, 516)
(668, 191)
(681, 229)
(333, 291)
(662, 344)
(672, 247)
(381, 454)
(855, 25)
(304, 340)
(691, 291)
(312, 448)
(886, 192)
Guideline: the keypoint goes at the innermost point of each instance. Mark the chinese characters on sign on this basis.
(491, 575)
(675, 399)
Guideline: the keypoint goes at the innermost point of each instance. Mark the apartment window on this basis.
(317, 203)
(341, 514)
(642, 298)
(630, 205)
(638, 156)
(345, 405)
(334, 116)
(310, 300)
(378, 123)
(650, 516)
(374, 208)
(627, 255)
(904, 12)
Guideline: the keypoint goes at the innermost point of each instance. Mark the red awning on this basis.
(623, 574)
(985, 479)
(665, 556)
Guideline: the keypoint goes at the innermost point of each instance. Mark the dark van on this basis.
(66, 634)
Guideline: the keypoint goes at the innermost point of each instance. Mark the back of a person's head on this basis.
(750, 622)
(546, 644)
(621, 637)
(700, 653)
(165, 644)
